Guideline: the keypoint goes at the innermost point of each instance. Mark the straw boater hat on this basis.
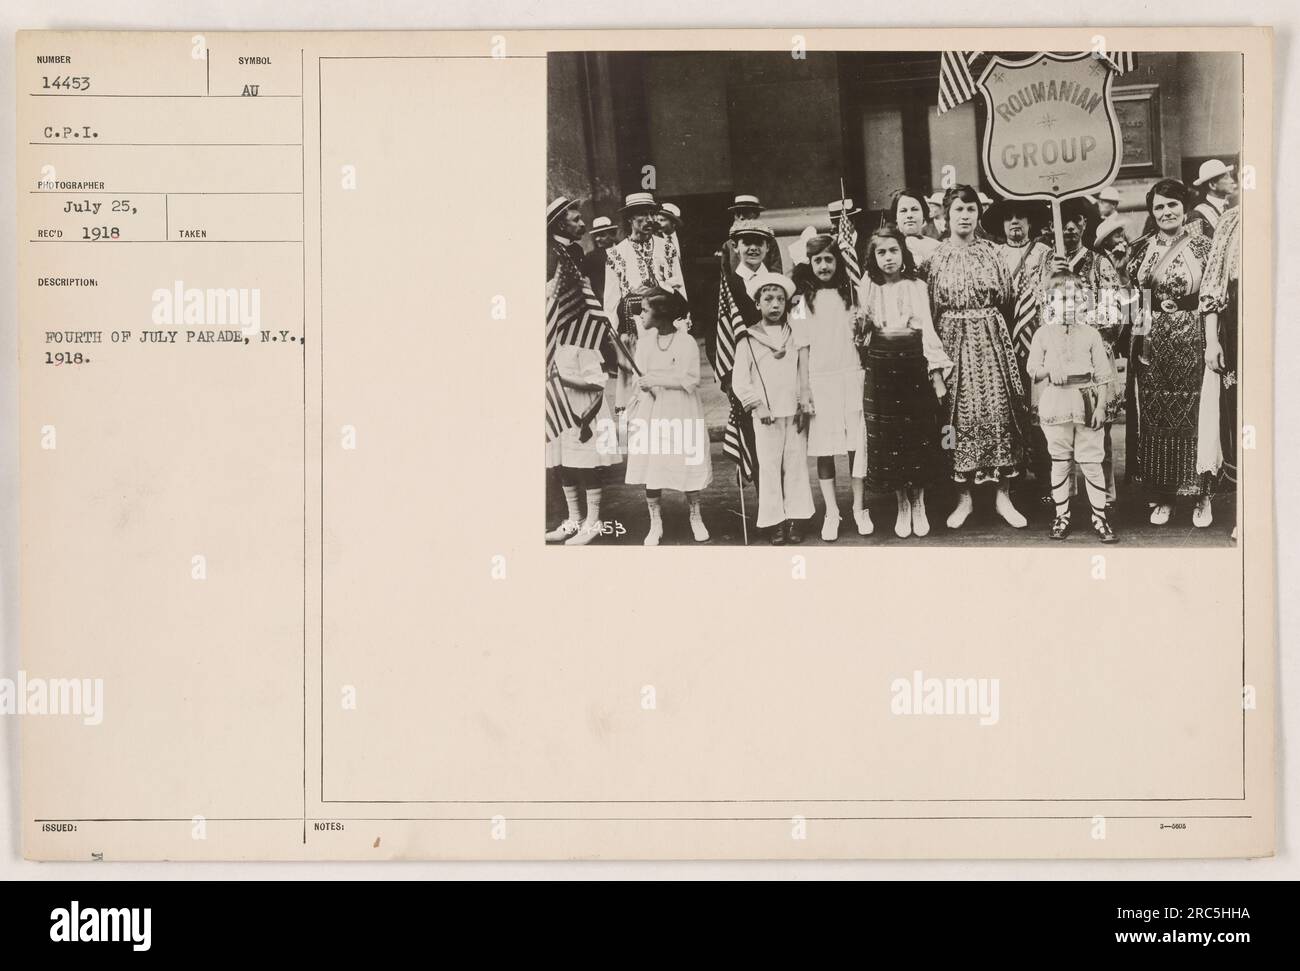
(935, 198)
(1211, 170)
(836, 208)
(769, 279)
(602, 224)
(1109, 194)
(670, 209)
(635, 201)
(752, 227)
(559, 205)
(1002, 210)
(745, 202)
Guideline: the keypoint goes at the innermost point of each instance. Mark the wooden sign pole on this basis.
(1056, 226)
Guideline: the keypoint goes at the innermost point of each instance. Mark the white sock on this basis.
(828, 494)
(571, 497)
(593, 506)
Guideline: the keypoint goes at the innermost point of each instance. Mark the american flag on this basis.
(731, 324)
(734, 444)
(956, 82)
(957, 73)
(573, 314)
(1024, 317)
(847, 240)
(559, 415)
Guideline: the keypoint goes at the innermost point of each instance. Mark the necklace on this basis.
(659, 339)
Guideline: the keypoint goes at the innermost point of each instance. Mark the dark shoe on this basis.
(1103, 531)
(793, 533)
(777, 535)
(1060, 527)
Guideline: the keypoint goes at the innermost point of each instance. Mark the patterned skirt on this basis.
(902, 434)
(985, 402)
(1168, 402)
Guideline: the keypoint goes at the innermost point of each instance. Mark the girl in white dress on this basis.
(667, 440)
(823, 310)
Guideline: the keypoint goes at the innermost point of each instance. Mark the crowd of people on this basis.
(958, 337)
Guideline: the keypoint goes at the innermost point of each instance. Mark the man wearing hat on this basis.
(603, 234)
(1107, 202)
(839, 209)
(746, 209)
(1014, 225)
(935, 203)
(639, 260)
(753, 242)
(667, 221)
(1017, 224)
(1216, 181)
(564, 227)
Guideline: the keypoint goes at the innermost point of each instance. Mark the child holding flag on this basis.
(771, 380)
(824, 310)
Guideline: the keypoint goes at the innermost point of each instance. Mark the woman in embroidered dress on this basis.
(985, 401)
(1176, 454)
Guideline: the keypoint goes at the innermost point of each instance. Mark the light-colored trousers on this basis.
(783, 489)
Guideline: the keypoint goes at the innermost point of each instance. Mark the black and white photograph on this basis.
(855, 297)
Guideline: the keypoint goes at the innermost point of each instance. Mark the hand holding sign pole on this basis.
(1052, 132)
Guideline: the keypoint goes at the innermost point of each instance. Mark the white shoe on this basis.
(903, 524)
(962, 512)
(1161, 513)
(920, 524)
(1203, 515)
(585, 534)
(831, 528)
(697, 527)
(863, 518)
(1007, 510)
(563, 531)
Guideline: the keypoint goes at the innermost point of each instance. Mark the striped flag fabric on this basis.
(1024, 317)
(734, 444)
(956, 82)
(559, 414)
(573, 314)
(1122, 61)
(731, 324)
(847, 240)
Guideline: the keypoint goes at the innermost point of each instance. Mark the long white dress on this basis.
(834, 373)
(667, 439)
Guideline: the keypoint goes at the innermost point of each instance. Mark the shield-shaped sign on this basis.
(1051, 128)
